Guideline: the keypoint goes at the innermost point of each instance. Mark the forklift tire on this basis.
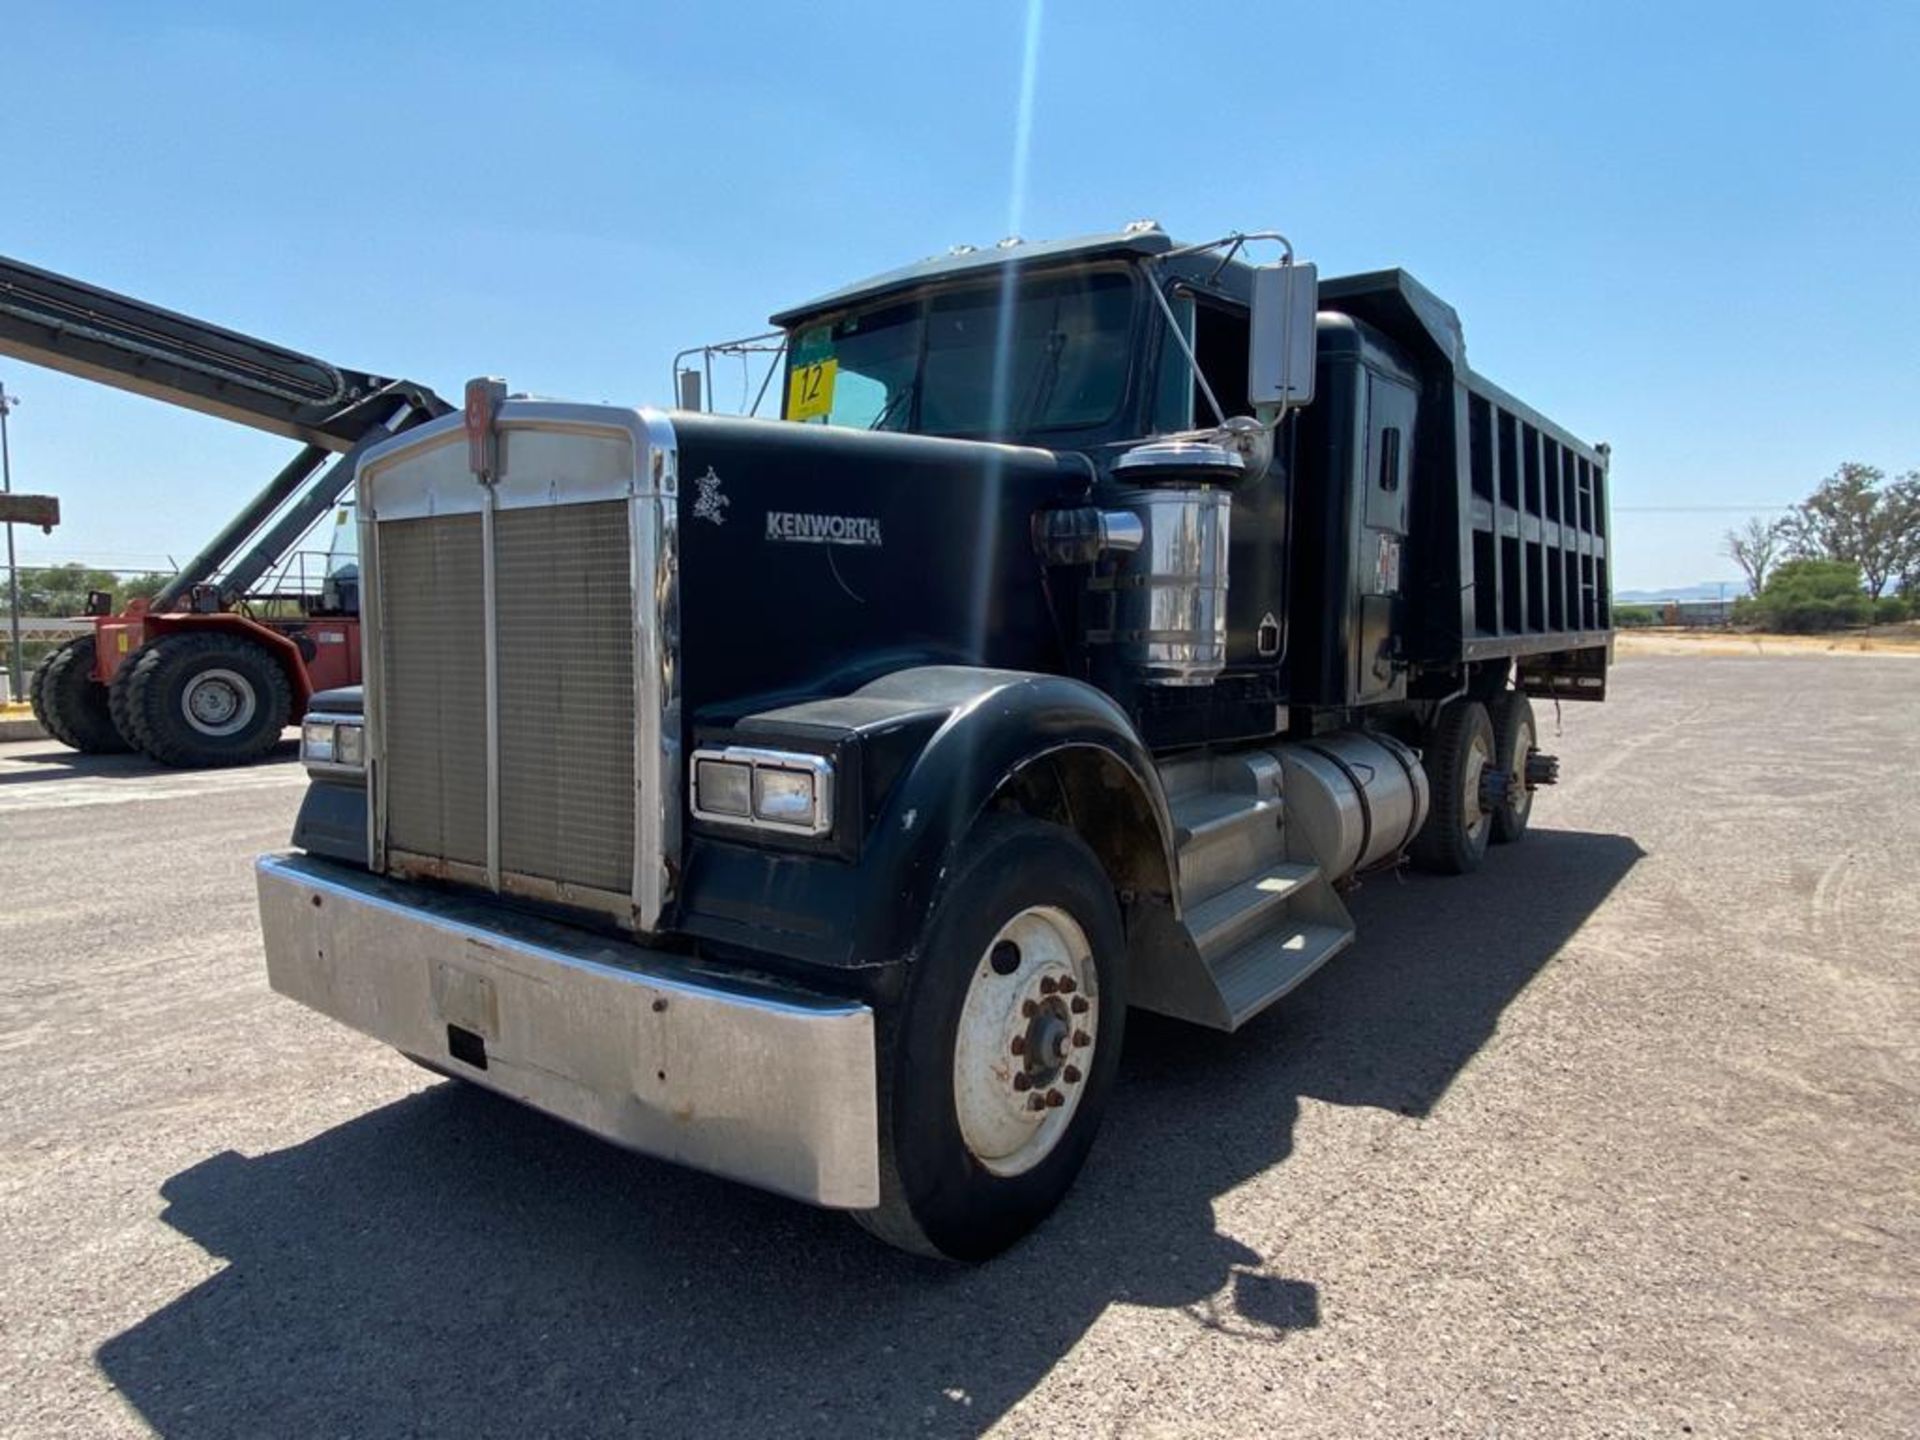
(1514, 738)
(1457, 754)
(207, 699)
(996, 1065)
(72, 704)
(118, 702)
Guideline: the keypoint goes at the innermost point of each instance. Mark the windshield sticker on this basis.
(810, 392)
(787, 526)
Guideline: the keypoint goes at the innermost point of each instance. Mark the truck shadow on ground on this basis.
(452, 1264)
(65, 764)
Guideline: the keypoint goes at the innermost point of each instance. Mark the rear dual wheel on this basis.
(1457, 756)
(1515, 738)
(996, 1067)
(1476, 764)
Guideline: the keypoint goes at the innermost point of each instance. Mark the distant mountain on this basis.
(1705, 590)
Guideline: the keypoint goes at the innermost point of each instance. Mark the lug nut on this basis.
(1028, 1009)
(1067, 986)
(1036, 1102)
(1071, 1074)
(1048, 985)
(1079, 1005)
(1019, 1045)
(1081, 1039)
(1055, 1099)
(1022, 1081)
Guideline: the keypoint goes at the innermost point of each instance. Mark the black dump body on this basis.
(1504, 515)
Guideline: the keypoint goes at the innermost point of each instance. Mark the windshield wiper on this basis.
(906, 393)
(1044, 380)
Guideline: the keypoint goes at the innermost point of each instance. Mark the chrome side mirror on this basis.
(1280, 357)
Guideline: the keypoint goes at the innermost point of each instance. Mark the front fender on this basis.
(971, 732)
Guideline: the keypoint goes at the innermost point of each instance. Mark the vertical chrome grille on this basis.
(564, 605)
(431, 642)
(523, 711)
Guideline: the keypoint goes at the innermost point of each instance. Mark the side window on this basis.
(1219, 336)
(1220, 340)
(1389, 478)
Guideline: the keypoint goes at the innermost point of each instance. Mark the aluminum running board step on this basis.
(1264, 969)
(1263, 937)
(1258, 913)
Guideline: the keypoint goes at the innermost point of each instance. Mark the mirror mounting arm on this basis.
(1158, 290)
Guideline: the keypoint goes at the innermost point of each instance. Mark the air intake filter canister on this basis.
(1170, 595)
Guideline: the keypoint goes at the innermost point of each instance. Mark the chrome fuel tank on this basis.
(1360, 797)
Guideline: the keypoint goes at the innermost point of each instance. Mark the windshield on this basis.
(927, 364)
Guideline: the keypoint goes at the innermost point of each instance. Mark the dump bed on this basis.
(1507, 550)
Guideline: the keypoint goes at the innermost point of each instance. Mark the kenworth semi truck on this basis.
(810, 800)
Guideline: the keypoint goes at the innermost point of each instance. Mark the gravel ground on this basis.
(1620, 1137)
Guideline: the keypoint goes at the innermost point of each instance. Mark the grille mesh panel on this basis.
(434, 686)
(565, 646)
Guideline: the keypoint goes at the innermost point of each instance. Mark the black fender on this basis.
(920, 754)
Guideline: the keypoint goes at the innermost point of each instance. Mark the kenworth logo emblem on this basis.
(823, 529)
(711, 504)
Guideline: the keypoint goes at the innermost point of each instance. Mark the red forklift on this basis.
(225, 657)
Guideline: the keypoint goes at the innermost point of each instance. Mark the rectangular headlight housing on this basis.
(723, 787)
(779, 791)
(333, 743)
(316, 742)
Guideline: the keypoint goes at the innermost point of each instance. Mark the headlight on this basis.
(316, 741)
(329, 743)
(723, 787)
(773, 790)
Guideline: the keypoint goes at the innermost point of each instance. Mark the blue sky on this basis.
(1687, 229)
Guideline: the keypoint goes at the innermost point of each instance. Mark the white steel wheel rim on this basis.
(218, 702)
(1519, 797)
(1479, 760)
(1025, 1045)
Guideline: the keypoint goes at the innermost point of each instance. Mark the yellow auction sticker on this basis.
(810, 391)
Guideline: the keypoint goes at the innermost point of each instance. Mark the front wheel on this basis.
(996, 1068)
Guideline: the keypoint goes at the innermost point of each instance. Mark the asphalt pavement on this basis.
(1619, 1137)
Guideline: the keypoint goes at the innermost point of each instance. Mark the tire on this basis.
(119, 702)
(72, 704)
(957, 1179)
(1461, 747)
(36, 698)
(1514, 737)
(207, 699)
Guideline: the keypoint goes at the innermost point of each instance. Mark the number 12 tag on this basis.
(810, 391)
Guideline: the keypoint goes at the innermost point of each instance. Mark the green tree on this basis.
(1806, 596)
(57, 590)
(1858, 517)
(142, 587)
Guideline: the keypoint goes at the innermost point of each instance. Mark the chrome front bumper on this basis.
(755, 1082)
